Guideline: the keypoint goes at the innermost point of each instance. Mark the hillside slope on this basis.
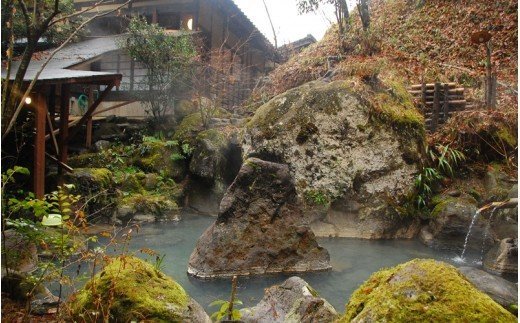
(432, 42)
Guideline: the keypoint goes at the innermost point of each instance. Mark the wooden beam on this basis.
(91, 109)
(113, 107)
(62, 165)
(459, 90)
(436, 99)
(88, 140)
(430, 86)
(40, 109)
(64, 129)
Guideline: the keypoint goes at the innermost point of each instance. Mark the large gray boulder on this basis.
(216, 160)
(260, 229)
(350, 156)
(292, 301)
(503, 257)
(450, 222)
(500, 290)
(20, 254)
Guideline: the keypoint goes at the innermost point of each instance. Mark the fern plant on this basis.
(442, 161)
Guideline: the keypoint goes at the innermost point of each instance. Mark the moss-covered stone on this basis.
(191, 125)
(159, 157)
(131, 183)
(96, 187)
(155, 204)
(422, 291)
(395, 108)
(87, 160)
(351, 141)
(129, 289)
(184, 108)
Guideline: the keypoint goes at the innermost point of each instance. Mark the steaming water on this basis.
(353, 261)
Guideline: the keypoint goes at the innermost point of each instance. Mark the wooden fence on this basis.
(438, 102)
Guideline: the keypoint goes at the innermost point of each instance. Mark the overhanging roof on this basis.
(60, 68)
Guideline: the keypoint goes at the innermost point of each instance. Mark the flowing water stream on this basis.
(353, 261)
(461, 259)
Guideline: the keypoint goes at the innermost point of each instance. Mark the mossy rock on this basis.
(130, 289)
(159, 157)
(87, 160)
(160, 206)
(191, 125)
(184, 108)
(209, 156)
(96, 187)
(131, 183)
(422, 291)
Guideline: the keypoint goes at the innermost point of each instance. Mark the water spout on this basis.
(475, 216)
(486, 233)
(511, 203)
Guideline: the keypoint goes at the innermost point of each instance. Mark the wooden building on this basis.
(219, 23)
(49, 102)
(288, 50)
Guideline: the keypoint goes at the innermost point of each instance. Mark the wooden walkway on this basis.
(438, 102)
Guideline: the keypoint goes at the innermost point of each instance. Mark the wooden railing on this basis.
(438, 102)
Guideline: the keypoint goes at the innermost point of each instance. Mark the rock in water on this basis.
(351, 148)
(129, 289)
(259, 229)
(500, 290)
(449, 223)
(292, 301)
(422, 291)
(503, 258)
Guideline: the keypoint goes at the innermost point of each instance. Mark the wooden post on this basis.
(52, 104)
(88, 141)
(64, 129)
(40, 109)
(493, 99)
(489, 83)
(154, 16)
(446, 105)
(435, 111)
(423, 96)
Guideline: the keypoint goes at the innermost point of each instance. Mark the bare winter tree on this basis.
(364, 13)
(340, 11)
(33, 20)
(216, 78)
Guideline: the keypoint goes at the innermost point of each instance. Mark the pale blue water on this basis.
(353, 261)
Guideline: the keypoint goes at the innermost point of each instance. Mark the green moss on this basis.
(184, 108)
(131, 183)
(191, 125)
(159, 157)
(395, 108)
(422, 291)
(87, 160)
(505, 135)
(154, 203)
(216, 137)
(102, 175)
(130, 289)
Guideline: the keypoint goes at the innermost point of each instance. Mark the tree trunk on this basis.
(364, 14)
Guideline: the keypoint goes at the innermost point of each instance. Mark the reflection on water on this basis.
(353, 261)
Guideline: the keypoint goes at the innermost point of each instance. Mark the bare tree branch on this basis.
(33, 82)
(272, 26)
(75, 14)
